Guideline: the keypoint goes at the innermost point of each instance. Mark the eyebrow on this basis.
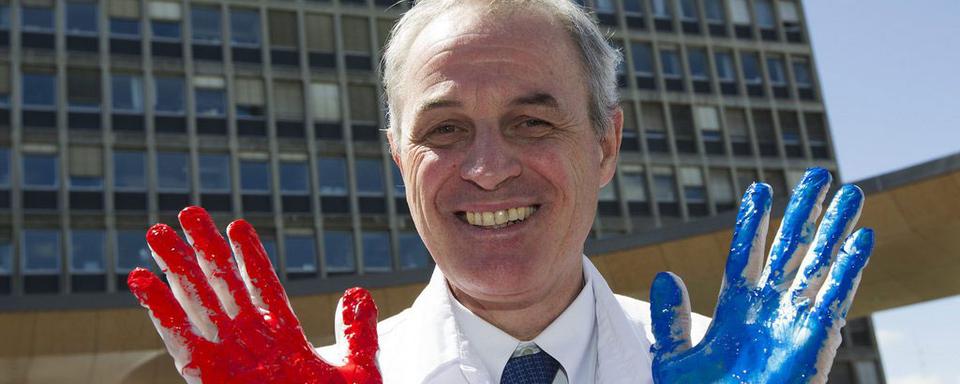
(535, 98)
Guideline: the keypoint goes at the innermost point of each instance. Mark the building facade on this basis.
(115, 114)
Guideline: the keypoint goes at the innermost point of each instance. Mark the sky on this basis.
(890, 74)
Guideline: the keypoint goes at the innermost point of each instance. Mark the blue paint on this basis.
(760, 334)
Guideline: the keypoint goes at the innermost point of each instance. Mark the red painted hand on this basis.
(225, 324)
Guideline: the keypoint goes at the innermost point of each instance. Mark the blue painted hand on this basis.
(781, 324)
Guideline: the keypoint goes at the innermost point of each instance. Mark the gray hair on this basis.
(599, 59)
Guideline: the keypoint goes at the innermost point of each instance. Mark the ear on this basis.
(610, 145)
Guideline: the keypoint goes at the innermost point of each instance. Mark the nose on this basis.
(490, 160)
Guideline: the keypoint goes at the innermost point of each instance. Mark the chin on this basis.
(502, 275)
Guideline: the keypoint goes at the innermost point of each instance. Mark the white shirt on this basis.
(571, 339)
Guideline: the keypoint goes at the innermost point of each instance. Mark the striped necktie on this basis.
(530, 368)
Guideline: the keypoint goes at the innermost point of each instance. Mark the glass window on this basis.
(776, 72)
(301, 253)
(255, 176)
(725, 66)
(40, 171)
(4, 84)
(249, 97)
(168, 30)
(670, 62)
(751, 68)
(642, 58)
(211, 102)
(129, 170)
(81, 17)
(399, 189)
(270, 247)
(697, 58)
(338, 251)
(41, 250)
(764, 12)
(214, 173)
(363, 103)
(688, 10)
(606, 6)
(294, 177)
(132, 250)
(693, 188)
(288, 99)
(661, 9)
(319, 28)
(173, 171)
(633, 6)
(127, 93)
(714, 11)
(169, 95)
(666, 190)
(369, 177)
(6, 257)
(39, 89)
(4, 16)
(325, 100)
(4, 167)
(283, 29)
(413, 254)
(801, 72)
(356, 34)
(245, 27)
(333, 176)
(721, 186)
(376, 251)
(83, 88)
(739, 11)
(634, 183)
(120, 27)
(205, 22)
(37, 19)
(87, 251)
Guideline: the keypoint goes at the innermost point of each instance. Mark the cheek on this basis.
(428, 171)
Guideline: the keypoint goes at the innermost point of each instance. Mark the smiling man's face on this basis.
(501, 163)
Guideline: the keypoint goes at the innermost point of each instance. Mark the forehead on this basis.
(461, 53)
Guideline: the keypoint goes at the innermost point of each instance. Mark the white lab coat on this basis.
(423, 344)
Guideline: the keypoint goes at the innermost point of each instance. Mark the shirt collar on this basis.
(570, 338)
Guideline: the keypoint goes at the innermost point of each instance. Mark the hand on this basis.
(222, 324)
(781, 326)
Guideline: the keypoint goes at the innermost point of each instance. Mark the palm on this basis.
(224, 324)
(781, 326)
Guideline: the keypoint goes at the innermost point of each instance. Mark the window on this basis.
(725, 69)
(245, 27)
(356, 34)
(688, 10)
(642, 59)
(751, 68)
(325, 101)
(169, 95)
(127, 93)
(663, 180)
(699, 68)
(294, 177)
(369, 177)
(714, 11)
(39, 89)
(4, 85)
(132, 250)
(671, 63)
(211, 100)
(399, 189)
(693, 188)
(739, 11)
(129, 170)
(775, 71)
(606, 6)
(763, 9)
(40, 171)
(333, 176)
(655, 126)
(124, 18)
(790, 17)
(363, 103)
(376, 251)
(630, 134)
(6, 261)
(721, 187)
(301, 253)
(320, 35)
(633, 6)
(5, 167)
(250, 100)
(4, 17)
(634, 183)
(708, 122)
(37, 19)
(288, 100)
(801, 72)
(214, 173)
(338, 251)
(270, 247)
(173, 171)
(255, 176)
(205, 22)
(41, 251)
(737, 131)
(81, 18)
(126, 28)
(165, 19)
(661, 9)
(86, 168)
(87, 251)
(413, 254)
(83, 88)
(283, 29)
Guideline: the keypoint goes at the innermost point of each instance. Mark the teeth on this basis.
(499, 218)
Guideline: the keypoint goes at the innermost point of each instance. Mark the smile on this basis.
(498, 219)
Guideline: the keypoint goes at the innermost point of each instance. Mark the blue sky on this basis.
(890, 73)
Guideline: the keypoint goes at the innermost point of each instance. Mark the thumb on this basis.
(358, 314)
(670, 313)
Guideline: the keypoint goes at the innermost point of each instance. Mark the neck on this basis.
(526, 319)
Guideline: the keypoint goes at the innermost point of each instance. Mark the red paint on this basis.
(258, 345)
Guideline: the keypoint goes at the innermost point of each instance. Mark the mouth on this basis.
(498, 219)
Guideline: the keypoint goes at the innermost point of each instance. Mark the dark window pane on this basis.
(301, 254)
(751, 68)
(81, 17)
(294, 178)
(245, 27)
(642, 58)
(214, 173)
(369, 177)
(670, 62)
(132, 250)
(333, 176)
(413, 254)
(211, 102)
(173, 171)
(4, 167)
(725, 66)
(40, 171)
(129, 170)
(714, 10)
(37, 18)
(697, 58)
(6, 258)
(205, 24)
(88, 250)
(169, 30)
(254, 176)
(376, 251)
(338, 251)
(127, 93)
(41, 251)
(39, 90)
(124, 27)
(170, 95)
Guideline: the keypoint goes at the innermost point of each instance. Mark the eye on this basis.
(443, 135)
(534, 122)
(533, 127)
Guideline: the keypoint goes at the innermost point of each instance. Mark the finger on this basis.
(749, 238)
(213, 255)
(796, 230)
(359, 315)
(836, 295)
(837, 224)
(670, 315)
(187, 281)
(167, 315)
(258, 274)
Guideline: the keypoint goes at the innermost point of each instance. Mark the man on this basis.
(504, 122)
